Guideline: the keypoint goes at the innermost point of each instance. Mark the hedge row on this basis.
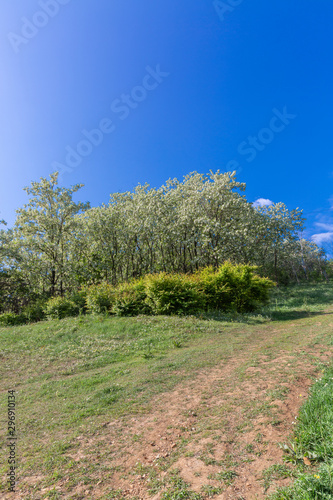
(230, 288)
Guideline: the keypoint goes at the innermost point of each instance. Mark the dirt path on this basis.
(227, 420)
(220, 430)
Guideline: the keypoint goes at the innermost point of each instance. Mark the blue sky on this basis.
(173, 87)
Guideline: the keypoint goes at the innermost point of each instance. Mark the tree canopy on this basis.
(58, 245)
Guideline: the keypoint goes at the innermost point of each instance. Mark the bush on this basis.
(173, 294)
(12, 319)
(216, 292)
(80, 299)
(35, 312)
(60, 307)
(130, 299)
(230, 288)
(100, 298)
(234, 288)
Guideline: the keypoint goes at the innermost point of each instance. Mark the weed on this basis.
(259, 438)
(178, 489)
(227, 476)
(275, 472)
(210, 491)
(177, 343)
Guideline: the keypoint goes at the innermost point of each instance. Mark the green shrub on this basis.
(173, 294)
(100, 298)
(80, 299)
(35, 312)
(60, 307)
(234, 287)
(214, 288)
(11, 319)
(130, 299)
(230, 288)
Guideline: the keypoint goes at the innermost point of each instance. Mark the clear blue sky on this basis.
(175, 87)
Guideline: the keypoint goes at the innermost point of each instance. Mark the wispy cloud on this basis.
(324, 223)
(322, 238)
(262, 202)
(326, 227)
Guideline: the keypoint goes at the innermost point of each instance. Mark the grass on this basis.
(315, 486)
(298, 301)
(73, 376)
(227, 476)
(178, 489)
(314, 431)
(95, 366)
(274, 472)
(312, 442)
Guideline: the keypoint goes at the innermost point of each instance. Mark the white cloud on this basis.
(262, 202)
(326, 227)
(321, 238)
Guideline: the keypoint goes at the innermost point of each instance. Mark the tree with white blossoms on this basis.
(44, 232)
(183, 226)
(177, 228)
(276, 229)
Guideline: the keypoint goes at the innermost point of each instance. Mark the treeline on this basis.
(57, 245)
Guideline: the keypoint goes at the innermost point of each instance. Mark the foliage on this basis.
(234, 287)
(11, 319)
(183, 226)
(44, 233)
(130, 299)
(35, 311)
(59, 246)
(173, 294)
(80, 299)
(60, 307)
(99, 298)
(213, 286)
(231, 287)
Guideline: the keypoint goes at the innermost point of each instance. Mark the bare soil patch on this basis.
(215, 423)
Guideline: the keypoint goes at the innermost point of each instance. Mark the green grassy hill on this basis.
(73, 377)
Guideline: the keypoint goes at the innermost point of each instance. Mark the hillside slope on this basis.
(161, 407)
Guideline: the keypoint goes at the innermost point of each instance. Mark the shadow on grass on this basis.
(292, 314)
(286, 304)
(315, 294)
(259, 318)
